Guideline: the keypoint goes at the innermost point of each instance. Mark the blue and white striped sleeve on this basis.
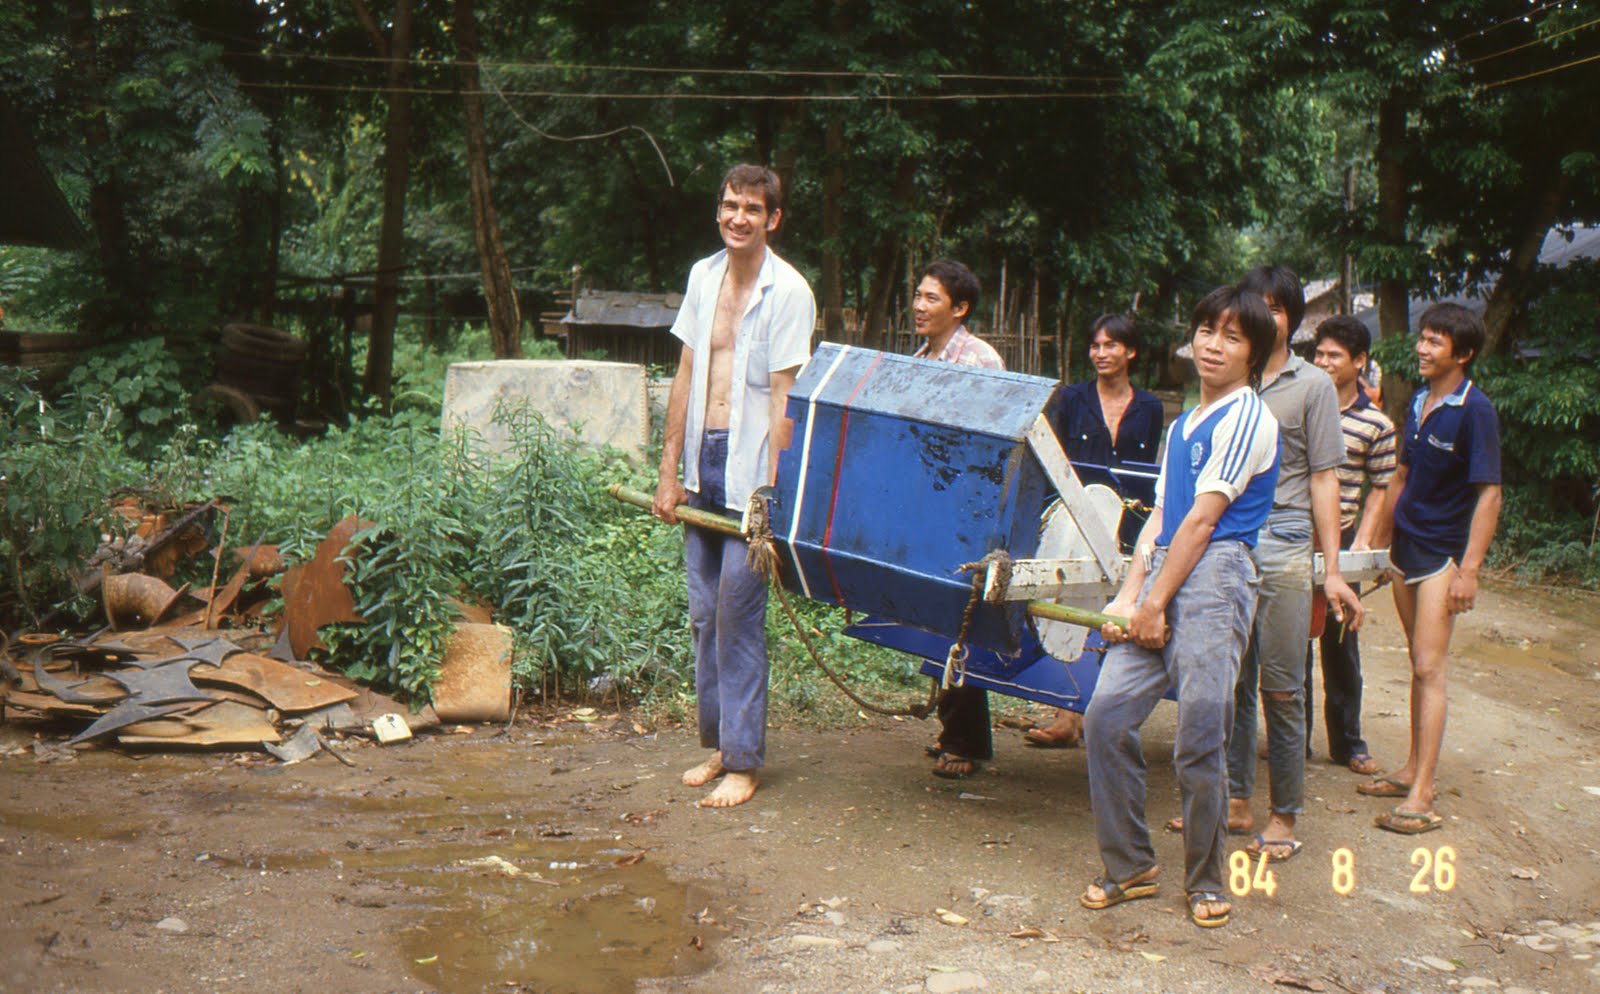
(1243, 444)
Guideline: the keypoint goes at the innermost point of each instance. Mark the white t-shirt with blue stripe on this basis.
(1229, 447)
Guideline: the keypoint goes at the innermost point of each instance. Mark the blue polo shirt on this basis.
(1446, 455)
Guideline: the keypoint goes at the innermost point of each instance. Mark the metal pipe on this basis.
(1049, 610)
(688, 515)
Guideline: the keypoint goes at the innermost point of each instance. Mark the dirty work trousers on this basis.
(1341, 685)
(727, 612)
(1210, 618)
(965, 728)
(1276, 662)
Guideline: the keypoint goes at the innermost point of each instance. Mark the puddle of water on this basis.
(72, 826)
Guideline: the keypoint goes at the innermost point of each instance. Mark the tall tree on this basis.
(499, 290)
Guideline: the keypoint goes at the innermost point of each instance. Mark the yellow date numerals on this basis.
(1241, 881)
(1439, 863)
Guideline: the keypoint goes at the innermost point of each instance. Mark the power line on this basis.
(688, 71)
(725, 97)
(1500, 24)
(578, 138)
(1529, 44)
(1541, 72)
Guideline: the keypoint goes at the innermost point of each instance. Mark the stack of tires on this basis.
(258, 370)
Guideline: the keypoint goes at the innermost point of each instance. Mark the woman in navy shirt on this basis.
(1103, 423)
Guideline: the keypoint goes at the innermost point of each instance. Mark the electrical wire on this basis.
(1541, 72)
(1500, 24)
(725, 97)
(578, 138)
(690, 71)
(1529, 44)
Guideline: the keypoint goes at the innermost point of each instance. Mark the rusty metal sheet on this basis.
(123, 715)
(161, 684)
(314, 593)
(287, 688)
(96, 690)
(224, 723)
(45, 704)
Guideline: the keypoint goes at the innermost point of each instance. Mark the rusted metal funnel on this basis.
(136, 599)
(475, 675)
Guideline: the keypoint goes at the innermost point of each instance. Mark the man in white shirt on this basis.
(745, 323)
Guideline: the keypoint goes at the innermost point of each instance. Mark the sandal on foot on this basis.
(1383, 787)
(1408, 822)
(953, 767)
(1364, 764)
(1115, 893)
(1175, 825)
(1200, 897)
(1259, 845)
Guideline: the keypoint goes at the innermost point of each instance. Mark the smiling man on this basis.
(745, 323)
(944, 300)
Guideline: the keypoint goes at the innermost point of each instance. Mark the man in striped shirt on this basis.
(1343, 344)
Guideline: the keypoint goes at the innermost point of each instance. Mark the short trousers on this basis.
(1418, 561)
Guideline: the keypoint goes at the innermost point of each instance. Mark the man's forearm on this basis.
(1325, 519)
(1485, 519)
(1383, 530)
(1371, 513)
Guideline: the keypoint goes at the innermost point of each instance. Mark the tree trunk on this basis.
(499, 291)
(1394, 305)
(1510, 290)
(107, 204)
(379, 379)
(875, 332)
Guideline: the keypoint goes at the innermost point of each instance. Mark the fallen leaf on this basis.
(697, 942)
(630, 859)
(583, 713)
(949, 917)
(1558, 806)
(424, 961)
(1028, 932)
(1522, 873)
(1152, 957)
(493, 863)
(1286, 978)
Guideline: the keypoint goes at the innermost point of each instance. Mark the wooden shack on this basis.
(622, 326)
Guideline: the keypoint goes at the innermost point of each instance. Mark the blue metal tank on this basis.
(900, 471)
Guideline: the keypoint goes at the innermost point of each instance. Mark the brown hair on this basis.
(747, 176)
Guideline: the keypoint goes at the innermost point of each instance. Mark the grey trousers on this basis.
(1276, 662)
(1210, 618)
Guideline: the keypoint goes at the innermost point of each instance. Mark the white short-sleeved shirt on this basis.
(774, 335)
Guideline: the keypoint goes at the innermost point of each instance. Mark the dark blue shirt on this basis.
(1081, 427)
(1446, 456)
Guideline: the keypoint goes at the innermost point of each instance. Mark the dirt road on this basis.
(221, 873)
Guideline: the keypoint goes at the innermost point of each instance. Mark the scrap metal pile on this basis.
(211, 676)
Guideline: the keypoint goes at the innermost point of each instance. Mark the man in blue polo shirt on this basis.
(1445, 503)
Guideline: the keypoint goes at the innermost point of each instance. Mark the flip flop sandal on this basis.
(1200, 897)
(1175, 826)
(944, 767)
(1368, 766)
(1116, 893)
(1408, 822)
(1259, 845)
(1383, 787)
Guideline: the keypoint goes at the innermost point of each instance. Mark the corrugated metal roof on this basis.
(621, 308)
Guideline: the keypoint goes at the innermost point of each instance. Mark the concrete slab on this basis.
(606, 401)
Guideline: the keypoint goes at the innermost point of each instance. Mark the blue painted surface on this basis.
(900, 471)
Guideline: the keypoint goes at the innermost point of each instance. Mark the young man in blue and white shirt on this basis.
(1189, 598)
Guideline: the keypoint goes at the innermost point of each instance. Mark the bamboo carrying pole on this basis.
(1048, 610)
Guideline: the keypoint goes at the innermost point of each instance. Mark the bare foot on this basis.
(1241, 820)
(735, 788)
(705, 772)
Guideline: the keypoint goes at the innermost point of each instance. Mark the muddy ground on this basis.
(233, 873)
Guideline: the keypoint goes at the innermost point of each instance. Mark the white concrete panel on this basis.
(601, 403)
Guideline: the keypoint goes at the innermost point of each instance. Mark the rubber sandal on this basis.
(1364, 764)
(1259, 845)
(943, 768)
(1116, 893)
(1200, 897)
(1383, 787)
(1408, 822)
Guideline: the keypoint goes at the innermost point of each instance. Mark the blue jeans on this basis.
(1275, 663)
(727, 618)
(1210, 617)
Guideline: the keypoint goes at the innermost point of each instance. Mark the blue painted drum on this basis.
(900, 471)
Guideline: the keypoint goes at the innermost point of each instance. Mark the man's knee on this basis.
(1281, 696)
